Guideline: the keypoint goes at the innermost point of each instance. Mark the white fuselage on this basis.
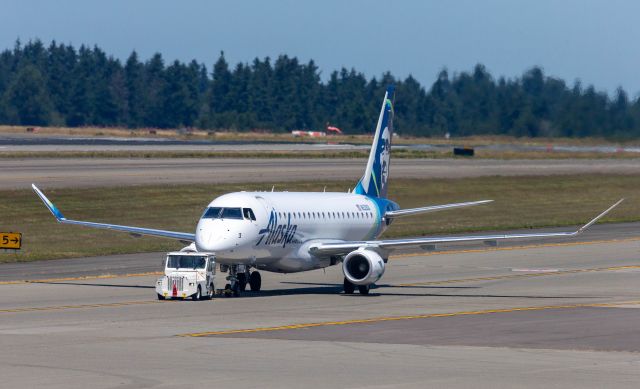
(276, 234)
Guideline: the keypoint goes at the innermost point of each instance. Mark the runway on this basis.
(90, 172)
(544, 315)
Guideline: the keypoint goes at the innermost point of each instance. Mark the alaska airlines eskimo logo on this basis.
(384, 157)
(278, 234)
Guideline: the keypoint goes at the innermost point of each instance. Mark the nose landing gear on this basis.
(238, 278)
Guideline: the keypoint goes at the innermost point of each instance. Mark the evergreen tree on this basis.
(135, 84)
(59, 85)
(26, 99)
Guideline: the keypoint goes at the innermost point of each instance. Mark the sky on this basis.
(597, 42)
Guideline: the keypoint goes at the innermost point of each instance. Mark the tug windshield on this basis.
(185, 262)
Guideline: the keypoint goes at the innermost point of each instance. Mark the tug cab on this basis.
(187, 275)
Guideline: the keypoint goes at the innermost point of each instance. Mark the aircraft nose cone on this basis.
(203, 240)
(206, 236)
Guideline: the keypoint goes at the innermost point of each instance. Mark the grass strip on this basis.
(520, 202)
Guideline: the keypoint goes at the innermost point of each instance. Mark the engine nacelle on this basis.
(363, 267)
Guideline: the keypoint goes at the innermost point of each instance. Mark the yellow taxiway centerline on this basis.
(79, 306)
(398, 318)
(393, 257)
(96, 277)
(452, 281)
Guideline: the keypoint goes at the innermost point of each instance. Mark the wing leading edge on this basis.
(391, 244)
(183, 236)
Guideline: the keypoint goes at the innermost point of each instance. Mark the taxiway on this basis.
(551, 314)
(93, 172)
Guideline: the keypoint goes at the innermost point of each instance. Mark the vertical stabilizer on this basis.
(374, 181)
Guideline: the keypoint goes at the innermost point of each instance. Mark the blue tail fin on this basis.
(374, 181)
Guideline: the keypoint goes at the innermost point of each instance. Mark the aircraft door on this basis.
(262, 212)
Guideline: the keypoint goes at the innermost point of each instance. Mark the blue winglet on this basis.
(52, 208)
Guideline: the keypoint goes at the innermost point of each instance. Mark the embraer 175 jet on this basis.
(290, 232)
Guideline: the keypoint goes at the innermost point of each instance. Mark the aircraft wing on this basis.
(342, 248)
(136, 231)
(433, 208)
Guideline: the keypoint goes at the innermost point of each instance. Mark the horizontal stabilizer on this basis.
(433, 208)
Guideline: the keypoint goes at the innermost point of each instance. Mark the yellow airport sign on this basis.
(10, 240)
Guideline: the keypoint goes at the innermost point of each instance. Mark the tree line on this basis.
(59, 85)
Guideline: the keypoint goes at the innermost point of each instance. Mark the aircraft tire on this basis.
(227, 290)
(242, 282)
(349, 288)
(160, 297)
(364, 289)
(235, 291)
(255, 281)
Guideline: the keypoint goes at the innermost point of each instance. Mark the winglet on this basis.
(595, 219)
(54, 210)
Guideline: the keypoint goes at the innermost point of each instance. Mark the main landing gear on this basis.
(350, 288)
(239, 276)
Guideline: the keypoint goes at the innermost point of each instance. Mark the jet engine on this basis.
(363, 267)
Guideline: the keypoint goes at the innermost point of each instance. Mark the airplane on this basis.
(289, 232)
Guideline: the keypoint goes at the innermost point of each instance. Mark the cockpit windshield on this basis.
(185, 262)
(229, 213)
(212, 213)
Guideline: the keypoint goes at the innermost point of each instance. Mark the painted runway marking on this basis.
(79, 306)
(528, 270)
(524, 275)
(510, 248)
(398, 318)
(95, 277)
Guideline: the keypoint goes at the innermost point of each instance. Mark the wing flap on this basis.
(183, 236)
